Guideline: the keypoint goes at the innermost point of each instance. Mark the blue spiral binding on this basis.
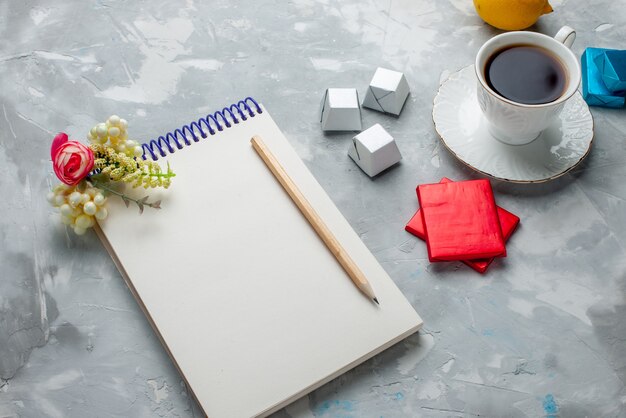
(182, 135)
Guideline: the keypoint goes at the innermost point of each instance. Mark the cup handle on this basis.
(566, 35)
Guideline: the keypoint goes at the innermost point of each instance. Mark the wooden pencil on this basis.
(314, 219)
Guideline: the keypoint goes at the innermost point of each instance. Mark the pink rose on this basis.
(72, 161)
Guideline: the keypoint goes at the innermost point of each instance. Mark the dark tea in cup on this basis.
(524, 79)
(526, 74)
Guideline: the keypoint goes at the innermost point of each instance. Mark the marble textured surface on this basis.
(542, 334)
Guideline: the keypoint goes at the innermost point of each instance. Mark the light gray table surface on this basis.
(543, 333)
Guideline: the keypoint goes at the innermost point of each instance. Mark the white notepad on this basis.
(251, 306)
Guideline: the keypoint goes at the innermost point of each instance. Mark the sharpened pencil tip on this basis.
(376, 300)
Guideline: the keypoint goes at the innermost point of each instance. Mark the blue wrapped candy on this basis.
(595, 92)
(612, 66)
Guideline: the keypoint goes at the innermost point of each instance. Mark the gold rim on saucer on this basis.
(462, 128)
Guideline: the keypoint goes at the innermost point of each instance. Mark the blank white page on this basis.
(250, 304)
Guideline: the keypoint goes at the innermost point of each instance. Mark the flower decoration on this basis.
(89, 174)
(72, 161)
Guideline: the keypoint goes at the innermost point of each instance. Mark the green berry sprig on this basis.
(118, 166)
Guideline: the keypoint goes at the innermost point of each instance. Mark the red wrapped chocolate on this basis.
(508, 224)
(460, 221)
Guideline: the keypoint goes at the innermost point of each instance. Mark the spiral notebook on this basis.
(251, 306)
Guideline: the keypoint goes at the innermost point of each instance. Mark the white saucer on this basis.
(463, 130)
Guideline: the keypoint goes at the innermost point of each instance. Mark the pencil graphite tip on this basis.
(376, 300)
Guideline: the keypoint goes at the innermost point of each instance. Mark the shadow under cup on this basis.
(517, 123)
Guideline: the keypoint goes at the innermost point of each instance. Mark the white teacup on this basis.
(518, 123)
